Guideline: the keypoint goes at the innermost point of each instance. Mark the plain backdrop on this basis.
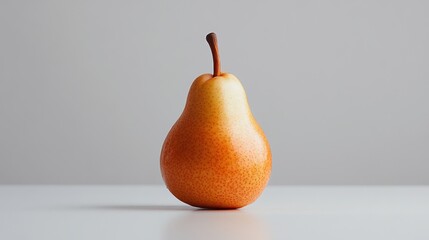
(89, 89)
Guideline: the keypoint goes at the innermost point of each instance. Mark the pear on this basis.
(216, 155)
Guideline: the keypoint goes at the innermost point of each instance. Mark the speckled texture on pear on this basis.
(216, 155)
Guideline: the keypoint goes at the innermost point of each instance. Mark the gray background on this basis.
(89, 89)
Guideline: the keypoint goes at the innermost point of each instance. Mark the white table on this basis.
(151, 212)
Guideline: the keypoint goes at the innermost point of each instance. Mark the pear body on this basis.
(216, 155)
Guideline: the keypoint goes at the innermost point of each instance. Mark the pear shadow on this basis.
(158, 208)
(135, 208)
(145, 207)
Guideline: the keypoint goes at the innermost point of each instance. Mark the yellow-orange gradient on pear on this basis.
(216, 155)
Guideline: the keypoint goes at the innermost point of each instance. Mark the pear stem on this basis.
(212, 40)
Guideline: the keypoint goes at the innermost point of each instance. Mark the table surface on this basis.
(151, 212)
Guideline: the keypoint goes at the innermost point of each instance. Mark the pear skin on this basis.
(216, 155)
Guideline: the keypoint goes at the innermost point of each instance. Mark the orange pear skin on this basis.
(216, 155)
